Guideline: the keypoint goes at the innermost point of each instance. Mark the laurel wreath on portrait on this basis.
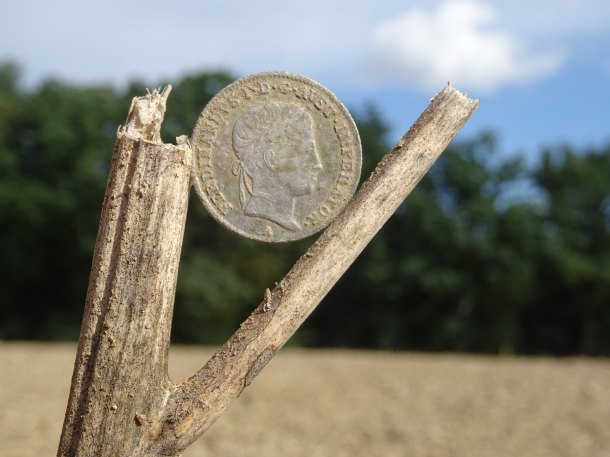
(245, 183)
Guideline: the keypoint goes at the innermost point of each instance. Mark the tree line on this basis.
(489, 254)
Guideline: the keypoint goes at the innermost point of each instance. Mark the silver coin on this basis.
(276, 157)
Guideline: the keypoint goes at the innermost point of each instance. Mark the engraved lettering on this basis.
(335, 198)
(207, 172)
(343, 179)
(329, 112)
(346, 164)
(216, 119)
(217, 198)
(284, 87)
(264, 88)
(320, 104)
(209, 129)
(206, 143)
(311, 220)
(247, 93)
(303, 92)
(340, 128)
(346, 149)
(233, 102)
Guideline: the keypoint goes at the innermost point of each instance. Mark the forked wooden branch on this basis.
(122, 402)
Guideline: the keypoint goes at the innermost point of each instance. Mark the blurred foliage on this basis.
(466, 264)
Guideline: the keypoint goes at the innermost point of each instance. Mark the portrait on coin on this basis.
(277, 161)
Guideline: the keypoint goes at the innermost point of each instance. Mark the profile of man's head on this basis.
(277, 160)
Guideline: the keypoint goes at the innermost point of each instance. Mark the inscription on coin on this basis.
(277, 157)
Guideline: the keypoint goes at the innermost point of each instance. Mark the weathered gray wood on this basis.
(122, 402)
(120, 374)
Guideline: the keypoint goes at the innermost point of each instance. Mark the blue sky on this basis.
(540, 68)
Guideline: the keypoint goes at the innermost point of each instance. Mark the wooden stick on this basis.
(120, 374)
(121, 400)
(196, 403)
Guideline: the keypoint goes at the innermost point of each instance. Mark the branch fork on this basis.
(122, 402)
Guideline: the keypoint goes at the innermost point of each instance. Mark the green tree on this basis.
(449, 271)
(463, 265)
(573, 304)
(53, 150)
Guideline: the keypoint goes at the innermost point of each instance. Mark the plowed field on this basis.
(351, 403)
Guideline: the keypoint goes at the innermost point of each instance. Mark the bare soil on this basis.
(351, 403)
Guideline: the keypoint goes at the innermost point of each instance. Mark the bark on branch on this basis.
(120, 374)
(121, 392)
(196, 403)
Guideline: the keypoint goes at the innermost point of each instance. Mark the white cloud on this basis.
(475, 44)
(460, 42)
